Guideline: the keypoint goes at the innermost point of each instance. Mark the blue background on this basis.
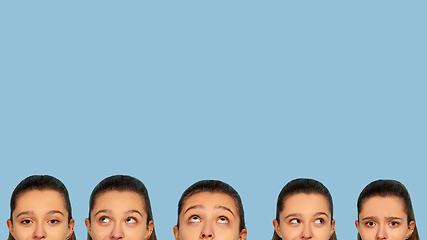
(252, 93)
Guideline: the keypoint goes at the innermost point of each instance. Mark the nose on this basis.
(117, 232)
(39, 232)
(207, 232)
(381, 234)
(306, 232)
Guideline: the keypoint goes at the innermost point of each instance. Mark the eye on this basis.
(222, 219)
(53, 221)
(370, 224)
(194, 219)
(131, 220)
(394, 224)
(104, 219)
(319, 221)
(26, 221)
(294, 221)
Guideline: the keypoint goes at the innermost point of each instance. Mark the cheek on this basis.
(100, 232)
(289, 233)
(189, 232)
(21, 233)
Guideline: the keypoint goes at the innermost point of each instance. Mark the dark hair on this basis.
(123, 183)
(386, 188)
(214, 186)
(307, 186)
(40, 182)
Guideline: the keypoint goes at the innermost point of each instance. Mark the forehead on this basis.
(209, 200)
(383, 206)
(309, 203)
(40, 201)
(119, 200)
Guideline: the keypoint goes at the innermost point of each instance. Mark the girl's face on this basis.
(384, 218)
(40, 215)
(119, 215)
(209, 216)
(305, 216)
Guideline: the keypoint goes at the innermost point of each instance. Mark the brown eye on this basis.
(294, 221)
(131, 220)
(26, 221)
(104, 219)
(194, 218)
(394, 224)
(222, 219)
(370, 224)
(319, 221)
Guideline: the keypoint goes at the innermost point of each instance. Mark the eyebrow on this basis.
(133, 211)
(225, 208)
(25, 212)
(32, 213)
(373, 218)
(203, 207)
(55, 211)
(103, 211)
(299, 214)
(111, 211)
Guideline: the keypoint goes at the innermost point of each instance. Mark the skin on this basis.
(209, 216)
(384, 218)
(119, 215)
(305, 216)
(40, 215)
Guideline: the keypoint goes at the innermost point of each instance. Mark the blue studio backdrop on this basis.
(253, 93)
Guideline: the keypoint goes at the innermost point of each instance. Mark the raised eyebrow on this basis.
(293, 215)
(24, 212)
(320, 213)
(225, 208)
(55, 211)
(133, 211)
(103, 211)
(193, 207)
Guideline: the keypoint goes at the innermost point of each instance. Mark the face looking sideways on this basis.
(119, 215)
(384, 218)
(305, 216)
(40, 215)
(207, 215)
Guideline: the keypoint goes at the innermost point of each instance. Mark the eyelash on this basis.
(26, 221)
(321, 219)
(193, 217)
(51, 221)
(131, 218)
(226, 219)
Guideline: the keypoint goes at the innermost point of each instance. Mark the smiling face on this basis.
(119, 215)
(40, 215)
(207, 215)
(305, 216)
(384, 218)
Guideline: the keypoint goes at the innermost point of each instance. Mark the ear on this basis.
(332, 228)
(277, 228)
(357, 225)
(149, 231)
(70, 228)
(10, 226)
(243, 234)
(411, 227)
(87, 223)
(176, 232)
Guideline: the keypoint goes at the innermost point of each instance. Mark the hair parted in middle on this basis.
(214, 186)
(307, 186)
